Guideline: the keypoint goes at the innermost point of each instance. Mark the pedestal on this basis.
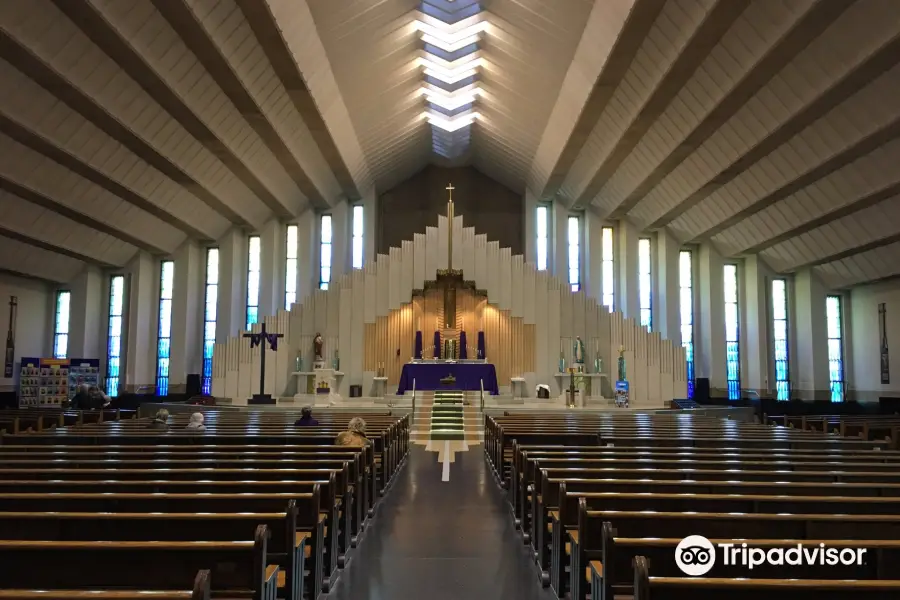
(379, 386)
(258, 399)
(518, 387)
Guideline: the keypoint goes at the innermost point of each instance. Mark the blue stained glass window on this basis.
(209, 317)
(732, 334)
(325, 253)
(834, 322)
(290, 268)
(780, 339)
(114, 333)
(164, 329)
(574, 253)
(61, 325)
(253, 262)
(609, 280)
(359, 232)
(542, 231)
(645, 283)
(686, 293)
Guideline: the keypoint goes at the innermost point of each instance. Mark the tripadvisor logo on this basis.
(696, 556)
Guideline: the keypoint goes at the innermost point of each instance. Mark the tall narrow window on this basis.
(290, 268)
(209, 316)
(164, 331)
(325, 253)
(732, 334)
(686, 298)
(574, 253)
(61, 326)
(358, 236)
(542, 228)
(780, 338)
(609, 282)
(645, 282)
(253, 262)
(114, 333)
(834, 319)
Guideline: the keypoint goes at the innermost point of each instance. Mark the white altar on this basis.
(311, 383)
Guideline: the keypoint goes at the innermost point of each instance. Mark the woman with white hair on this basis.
(355, 434)
(161, 421)
(196, 422)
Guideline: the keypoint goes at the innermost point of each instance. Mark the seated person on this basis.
(82, 398)
(161, 421)
(306, 418)
(355, 434)
(196, 422)
(98, 399)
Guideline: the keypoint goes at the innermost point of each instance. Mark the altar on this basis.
(468, 374)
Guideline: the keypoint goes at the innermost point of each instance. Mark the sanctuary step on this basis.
(447, 416)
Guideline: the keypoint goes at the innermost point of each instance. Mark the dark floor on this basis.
(439, 540)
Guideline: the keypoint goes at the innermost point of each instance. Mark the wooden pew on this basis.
(319, 562)
(200, 591)
(700, 588)
(287, 543)
(238, 569)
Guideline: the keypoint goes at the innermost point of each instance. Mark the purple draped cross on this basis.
(256, 339)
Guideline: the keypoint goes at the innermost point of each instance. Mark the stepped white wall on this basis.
(656, 367)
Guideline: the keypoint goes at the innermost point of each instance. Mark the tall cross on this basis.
(450, 189)
(262, 338)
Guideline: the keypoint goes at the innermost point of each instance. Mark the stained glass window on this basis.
(645, 283)
(325, 253)
(609, 281)
(780, 339)
(209, 316)
(290, 268)
(114, 333)
(542, 228)
(164, 329)
(686, 300)
(732, 334)
(358, 236)
(574, 253)
(61, 326)
(253, 266)
(834, 321)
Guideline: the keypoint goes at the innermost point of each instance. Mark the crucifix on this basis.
(261, 339)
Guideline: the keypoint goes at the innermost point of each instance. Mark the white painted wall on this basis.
(863, 356)
(33, 327)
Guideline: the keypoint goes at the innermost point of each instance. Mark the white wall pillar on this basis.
(530, 227)
(143, 309)
(370, 226)
(756, 326)
(627, 300)
(86, 314)
(307, 254)
(709, 347)
(341, 217)
(592, 251)
(186, 355)
(667, 300)
(558, 261)
(271, 268)
(232, 305)
(810, 366)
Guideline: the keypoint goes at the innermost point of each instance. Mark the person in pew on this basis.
(82, 398)
(306, 418)
(161, 421)
(97, 399)
(355, 434)
(196, 422)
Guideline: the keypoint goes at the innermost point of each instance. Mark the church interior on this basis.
(453, 298)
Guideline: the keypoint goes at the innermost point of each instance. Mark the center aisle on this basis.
(442, 540)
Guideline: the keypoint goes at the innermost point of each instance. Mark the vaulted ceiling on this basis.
(763, 126)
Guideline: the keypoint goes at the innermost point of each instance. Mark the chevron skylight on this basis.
(451, 63)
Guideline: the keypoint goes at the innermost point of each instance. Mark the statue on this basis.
(578, 350)
(318, 343)
(622, 374)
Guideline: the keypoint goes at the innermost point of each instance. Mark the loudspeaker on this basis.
(701, 390)
(192, 385)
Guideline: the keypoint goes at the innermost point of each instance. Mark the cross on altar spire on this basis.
(450, 189)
